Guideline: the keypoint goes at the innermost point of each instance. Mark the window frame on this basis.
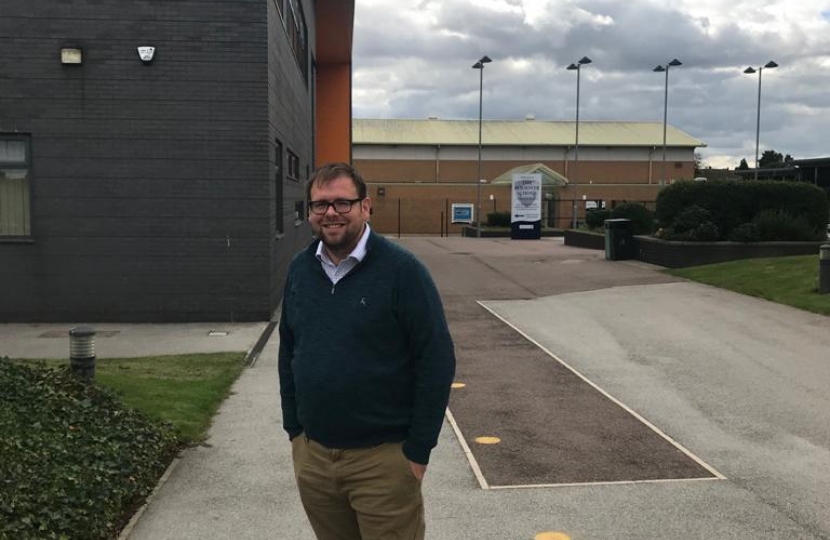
(293, 166)
(296, 30)
(26, 165)
(279, 180)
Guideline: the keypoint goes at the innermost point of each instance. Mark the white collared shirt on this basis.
(336, 272)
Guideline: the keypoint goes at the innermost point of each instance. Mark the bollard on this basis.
(82, 352)
(824, 269)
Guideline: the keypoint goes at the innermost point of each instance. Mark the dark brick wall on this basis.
(683, 254)
(153, 185)
(291, 121)
(584, 239)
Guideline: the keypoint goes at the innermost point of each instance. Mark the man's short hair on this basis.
(330, 171)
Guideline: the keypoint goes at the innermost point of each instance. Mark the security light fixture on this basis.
(72, 56)
(146, 53)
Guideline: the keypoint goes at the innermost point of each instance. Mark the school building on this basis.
(418, 168)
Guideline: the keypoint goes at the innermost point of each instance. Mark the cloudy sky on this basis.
(413, 58)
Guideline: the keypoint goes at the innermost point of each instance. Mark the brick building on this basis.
(171, 188)
(418, 168)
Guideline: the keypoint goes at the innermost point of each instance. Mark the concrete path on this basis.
(129, 340)
(740, 382)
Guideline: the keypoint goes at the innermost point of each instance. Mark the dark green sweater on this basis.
(369, 360)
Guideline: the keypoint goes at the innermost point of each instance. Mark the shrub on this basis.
(694, 224)
(75, 461)
(596, 218)
(642, 219)
(780, 225)
(733, 203)
(691, 218)
(498, 219)
(707, 232)
(745, 232)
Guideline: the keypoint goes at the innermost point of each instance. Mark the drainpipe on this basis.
(651, 163)
(567, 158)
(438, 164)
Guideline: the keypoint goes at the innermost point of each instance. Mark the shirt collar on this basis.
(358, 253)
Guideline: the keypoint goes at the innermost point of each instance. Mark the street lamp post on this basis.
(752, 70)
(480, 67)
(660, 69)
(578, 67)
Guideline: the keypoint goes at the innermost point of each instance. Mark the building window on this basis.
(299, 212)
(295, 26)
(15, 188)
(293, 166)
(278, 181)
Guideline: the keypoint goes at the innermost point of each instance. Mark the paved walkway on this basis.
(740, 383)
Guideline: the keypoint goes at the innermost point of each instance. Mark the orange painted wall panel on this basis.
(334, 113)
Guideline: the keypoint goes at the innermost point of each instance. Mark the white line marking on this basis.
(607, 483)
(609, 396)
(470, 457)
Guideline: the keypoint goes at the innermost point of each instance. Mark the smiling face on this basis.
(339, 233)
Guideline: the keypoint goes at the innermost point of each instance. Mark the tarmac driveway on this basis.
(656, 382)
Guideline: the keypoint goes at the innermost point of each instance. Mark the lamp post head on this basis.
(750, 70)
(770, 64)
(674, 63)
(480, 63)
(584, 60)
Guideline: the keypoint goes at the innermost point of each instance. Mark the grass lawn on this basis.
(787, 280)
(185, 390)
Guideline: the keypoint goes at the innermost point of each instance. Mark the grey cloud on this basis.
(428, 73)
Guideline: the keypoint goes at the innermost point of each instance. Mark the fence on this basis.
(433, 216)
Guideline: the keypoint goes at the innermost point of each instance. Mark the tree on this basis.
(770, 159)
(743, 165)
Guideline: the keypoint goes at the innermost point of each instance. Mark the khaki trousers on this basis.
(360, 493)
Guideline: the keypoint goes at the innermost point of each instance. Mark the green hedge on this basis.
(595, 219)
(642, 219)
(75, 462)
(733, 204)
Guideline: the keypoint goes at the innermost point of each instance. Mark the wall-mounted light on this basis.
(71, 55)
(146, 54)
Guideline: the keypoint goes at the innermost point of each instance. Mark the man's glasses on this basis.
(341, 206)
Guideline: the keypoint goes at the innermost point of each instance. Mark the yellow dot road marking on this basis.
(488, 440)
(551, 536)
(457, 385)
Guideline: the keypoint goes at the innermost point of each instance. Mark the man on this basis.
(366, 361)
